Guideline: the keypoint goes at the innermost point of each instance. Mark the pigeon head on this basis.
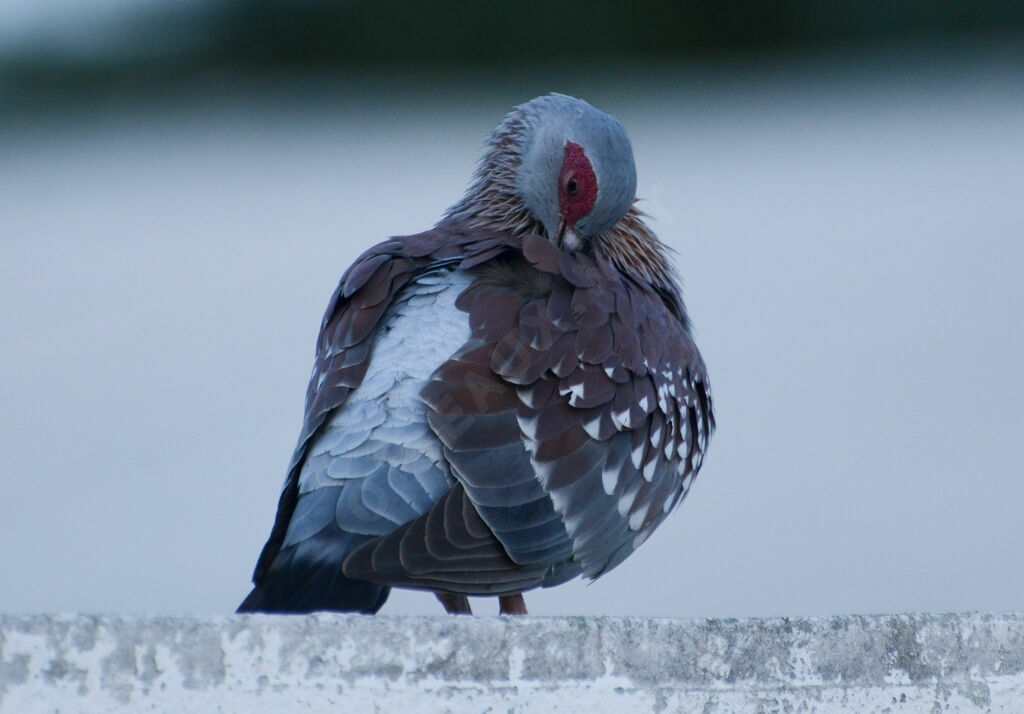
(576, 175)
(557, 166)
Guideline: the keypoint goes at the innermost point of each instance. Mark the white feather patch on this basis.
(609, 478)
(619, 419)
(636, 519)
(626, 501)
(656, 436)
(593, 427)
(649, 468)
(688, 481)
(637, 456)
(640, 538)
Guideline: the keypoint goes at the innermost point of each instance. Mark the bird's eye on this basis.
(577, 185)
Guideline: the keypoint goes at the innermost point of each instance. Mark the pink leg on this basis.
(512, 604)
(454, 604)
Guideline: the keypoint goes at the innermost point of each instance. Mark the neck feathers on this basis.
(492, 200)
(631, 246)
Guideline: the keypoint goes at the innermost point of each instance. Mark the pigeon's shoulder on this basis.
(359, 306)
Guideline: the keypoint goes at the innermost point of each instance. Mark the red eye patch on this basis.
(577, 185)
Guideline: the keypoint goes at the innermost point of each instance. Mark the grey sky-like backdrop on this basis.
(851, 236)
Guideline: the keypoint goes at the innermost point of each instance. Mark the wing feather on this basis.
(344, 348)
(568, 422)
(573, 420)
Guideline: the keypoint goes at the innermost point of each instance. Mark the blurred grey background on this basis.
(182, 184)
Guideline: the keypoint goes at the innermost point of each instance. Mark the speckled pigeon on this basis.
(506, 401)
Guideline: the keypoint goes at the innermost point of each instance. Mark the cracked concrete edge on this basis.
(906, 663)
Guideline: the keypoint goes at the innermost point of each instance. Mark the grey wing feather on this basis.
(344, 439)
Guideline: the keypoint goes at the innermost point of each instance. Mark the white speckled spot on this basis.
(609, 477)
(593, 427)
(655, 435)
(637, 456)
(626, 501)
(650, 467)
(636, 519)
(688, 481)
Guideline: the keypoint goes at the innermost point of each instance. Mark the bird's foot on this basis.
(454, 604)
(512, 604)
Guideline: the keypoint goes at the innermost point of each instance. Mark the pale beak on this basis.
(568, 239)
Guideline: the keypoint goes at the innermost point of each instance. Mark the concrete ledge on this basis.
(905, 663)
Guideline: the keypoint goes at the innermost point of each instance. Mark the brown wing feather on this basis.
(574, 421)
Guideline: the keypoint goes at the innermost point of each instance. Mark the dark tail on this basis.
(293, 586)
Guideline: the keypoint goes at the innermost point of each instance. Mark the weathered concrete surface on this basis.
(906, 663)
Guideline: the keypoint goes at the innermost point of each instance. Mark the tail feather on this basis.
(294, 586)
